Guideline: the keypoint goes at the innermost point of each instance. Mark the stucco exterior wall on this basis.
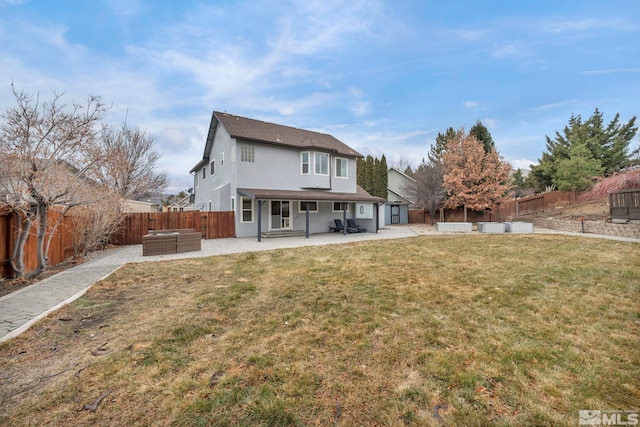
(273, 167)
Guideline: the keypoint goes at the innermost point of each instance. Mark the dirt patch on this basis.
(589, 211)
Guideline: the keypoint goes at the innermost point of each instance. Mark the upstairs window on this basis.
(204, 173)
(304, 160)
(341, 167)
(212, 170)
(221, 159)
(247, 153)
(322, 164)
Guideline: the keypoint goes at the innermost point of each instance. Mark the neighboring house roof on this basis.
(265, 194)
(270, 133)
(398, 194)
(394, 198)
(401, 173)
(182, 203)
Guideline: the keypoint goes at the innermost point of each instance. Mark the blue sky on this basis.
(382, 76)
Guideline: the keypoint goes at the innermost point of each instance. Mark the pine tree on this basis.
(482, 134)
(609, 146)
(383, 178)
(438, 149)
(576, 172)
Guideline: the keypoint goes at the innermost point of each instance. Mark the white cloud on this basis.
(360, 108)
(507, 50)
(470, 104)
(11, 2)
(489, 123)
(522, 163)
(554, 105)
(611, 71)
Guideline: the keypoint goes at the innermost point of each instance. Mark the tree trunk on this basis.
(17, 257)
(43, 216)
(465, 213)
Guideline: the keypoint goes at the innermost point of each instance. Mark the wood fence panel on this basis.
(531, 205)
(5, 245)
(212, 225)
(418, 216)
(60, 248)
(506, 211)
(218, 225)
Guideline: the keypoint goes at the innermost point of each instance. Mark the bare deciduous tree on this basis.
(430, 187)
(46, 147)
(427, 190)
(61, 154)
(130, 170)
(94, 223)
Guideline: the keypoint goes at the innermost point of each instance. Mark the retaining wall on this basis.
(596, 227)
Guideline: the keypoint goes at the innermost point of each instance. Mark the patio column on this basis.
(306, 204)
(375, 213)
(260, 203)
(344, 219)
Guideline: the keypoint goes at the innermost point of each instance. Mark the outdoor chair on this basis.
(339, 226)
(352, 227)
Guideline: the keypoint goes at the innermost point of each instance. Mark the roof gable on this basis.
(271, 133)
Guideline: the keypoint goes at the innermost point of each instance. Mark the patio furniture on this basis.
(163, 242)
(352, 227)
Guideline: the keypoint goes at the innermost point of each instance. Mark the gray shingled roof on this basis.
(271, 133)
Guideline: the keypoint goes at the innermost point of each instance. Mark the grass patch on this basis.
(503, 330)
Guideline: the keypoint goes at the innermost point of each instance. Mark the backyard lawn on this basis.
(445, 330)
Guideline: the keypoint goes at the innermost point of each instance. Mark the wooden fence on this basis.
(212, 225)
(506, 211)
(60, 249)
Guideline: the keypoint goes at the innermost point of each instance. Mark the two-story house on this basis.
(279, 178)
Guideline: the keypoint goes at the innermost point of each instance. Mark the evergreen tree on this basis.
(482, 134)
(608, 146)
(382, 178)
(361, 172)
(518, 183)
(437, 150)
(575, 173)
(372, 175)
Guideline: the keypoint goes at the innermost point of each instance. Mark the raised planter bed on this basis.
(519, 227)
(457, 227)
(163, 242)
(491, 227)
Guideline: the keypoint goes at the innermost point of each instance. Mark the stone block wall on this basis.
(596, 227)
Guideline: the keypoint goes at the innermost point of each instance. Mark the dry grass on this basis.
(506, 330)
